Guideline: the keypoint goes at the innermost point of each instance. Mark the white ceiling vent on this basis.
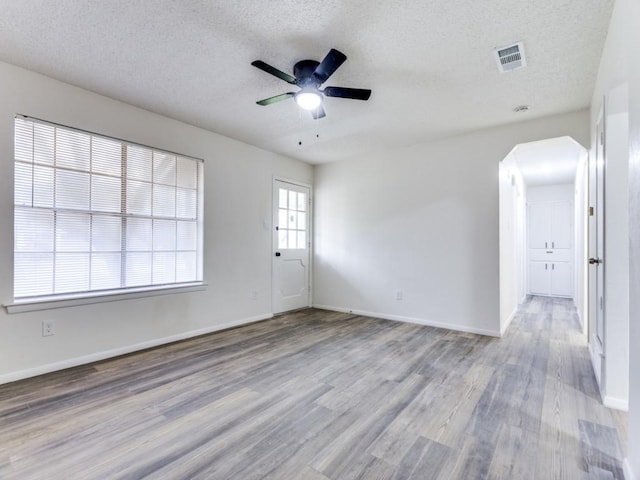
(511, 57)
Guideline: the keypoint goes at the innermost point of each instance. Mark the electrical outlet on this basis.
(48, 328)
(254, 295)
(398, 294)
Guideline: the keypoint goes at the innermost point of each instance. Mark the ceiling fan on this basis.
(309, 75)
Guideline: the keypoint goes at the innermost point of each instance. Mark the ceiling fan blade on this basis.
(318, 113)
(342, 92)
(329, 64)
(277, 98)
(274, 71)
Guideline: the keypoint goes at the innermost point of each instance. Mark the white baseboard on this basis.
(596, 373)
(616, 403)
(508, 322)
(628, 474)
(419, 321)
(95, 357)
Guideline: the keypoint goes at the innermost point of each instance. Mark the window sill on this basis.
(49, 303)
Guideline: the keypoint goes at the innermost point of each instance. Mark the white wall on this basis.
(616, 254)
(551, 193)
(237, 253)
(512, 216)
(620, 66)
(422, 219)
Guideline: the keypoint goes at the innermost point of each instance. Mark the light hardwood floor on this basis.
(318, 395)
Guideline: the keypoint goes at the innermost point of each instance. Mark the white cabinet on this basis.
(539, 226)
(539, 278)
(562, 279)
(551, 278)
(550, 225)
(550, 248)
(561, 225)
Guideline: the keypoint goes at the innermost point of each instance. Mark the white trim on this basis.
(292, 182)
(575, 304)
(49, 303)
(628, 473)
(508, 322)
(95, 357)
(596, 374)
(616, 403)
(419, 321)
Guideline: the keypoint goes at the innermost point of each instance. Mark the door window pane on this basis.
(292, 237)
(282, 239)
(282, 194)
(302, 202)
(292, 219)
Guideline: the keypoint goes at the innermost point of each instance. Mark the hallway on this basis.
(578, 437)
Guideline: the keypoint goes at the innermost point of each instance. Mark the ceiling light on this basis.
(308, 99)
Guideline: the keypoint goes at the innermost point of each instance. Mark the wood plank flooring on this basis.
(319, 395)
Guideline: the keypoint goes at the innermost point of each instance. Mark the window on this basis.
(95, 214)
(292, 219)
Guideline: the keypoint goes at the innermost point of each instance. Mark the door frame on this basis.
(298, 183)
(596, 347)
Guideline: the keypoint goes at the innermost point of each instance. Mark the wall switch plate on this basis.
(48, 328)
(398, 294)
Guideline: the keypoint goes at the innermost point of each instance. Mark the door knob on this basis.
(595, 261)
(277, 254)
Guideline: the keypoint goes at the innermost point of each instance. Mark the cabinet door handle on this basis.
(545, 245)
(546, 266)
(553, 244)
(553, 266)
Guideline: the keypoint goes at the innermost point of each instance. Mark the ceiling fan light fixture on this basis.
(309, 76)
(308, 99)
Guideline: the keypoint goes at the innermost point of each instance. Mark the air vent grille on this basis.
(511, 57)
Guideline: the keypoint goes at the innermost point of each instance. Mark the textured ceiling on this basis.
(548, 162)
(429, 63)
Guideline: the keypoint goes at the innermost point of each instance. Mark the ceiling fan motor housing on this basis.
(304, 73)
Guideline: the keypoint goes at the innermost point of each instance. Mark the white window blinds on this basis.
(93, 213)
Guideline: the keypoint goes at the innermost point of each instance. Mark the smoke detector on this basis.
(511, 57)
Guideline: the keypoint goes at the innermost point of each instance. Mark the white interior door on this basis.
(596, 252)
(291, 246)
